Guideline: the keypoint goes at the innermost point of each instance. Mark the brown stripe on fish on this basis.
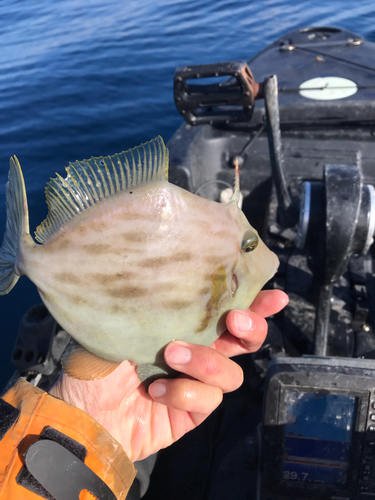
(63, 244)
(208, 276)
(106, 279)
(218, 291)
(76, 299)
(55, 243)
(81, 230)
(128, 292)
(135, 236)
(169, 286)
(219, 281)
(88, 227)
(206, 318)
(163, 261)
(176, 304)
(97, 226)
(98, 248)
(68, 278)
(204, 290)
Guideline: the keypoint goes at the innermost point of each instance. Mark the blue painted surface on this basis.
(79, 79)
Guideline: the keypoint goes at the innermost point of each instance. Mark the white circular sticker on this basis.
(327, 88)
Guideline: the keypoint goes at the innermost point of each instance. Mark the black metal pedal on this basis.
(225, 102)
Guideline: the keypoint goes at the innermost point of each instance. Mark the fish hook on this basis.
(236, 194)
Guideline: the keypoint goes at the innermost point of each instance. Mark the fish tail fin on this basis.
(17, 224)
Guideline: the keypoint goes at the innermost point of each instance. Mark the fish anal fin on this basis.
(78, 363)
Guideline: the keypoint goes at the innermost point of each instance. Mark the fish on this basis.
(126, 261)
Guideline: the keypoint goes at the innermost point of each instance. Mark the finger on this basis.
(247, 332)
(204, 364)
(249, 328)
(269, 302)
(186, 395)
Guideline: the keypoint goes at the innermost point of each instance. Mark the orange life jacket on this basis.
(38, 432)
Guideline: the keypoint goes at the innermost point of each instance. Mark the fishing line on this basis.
(336, 58)
(325, 87)
(208, 183)
(251, 141)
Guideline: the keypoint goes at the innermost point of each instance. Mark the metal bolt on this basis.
(355, 41)
(237, 159)
(287, 48)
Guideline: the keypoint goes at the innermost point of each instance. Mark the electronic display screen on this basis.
(318, 433)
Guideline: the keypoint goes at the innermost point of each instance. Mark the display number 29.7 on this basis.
(294, 476)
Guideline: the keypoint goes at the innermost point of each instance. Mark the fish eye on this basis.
(249, 242)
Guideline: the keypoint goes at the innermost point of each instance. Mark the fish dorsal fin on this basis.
(90, 181)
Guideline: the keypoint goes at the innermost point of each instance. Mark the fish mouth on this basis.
(234, 285)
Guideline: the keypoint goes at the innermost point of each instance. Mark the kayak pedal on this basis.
(227, 102)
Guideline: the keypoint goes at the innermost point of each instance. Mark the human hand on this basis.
(144, 422)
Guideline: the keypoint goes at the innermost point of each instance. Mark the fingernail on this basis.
(242, 321)
(157, 389)
(178, 354)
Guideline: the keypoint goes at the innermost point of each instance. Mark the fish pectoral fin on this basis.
(79, 363)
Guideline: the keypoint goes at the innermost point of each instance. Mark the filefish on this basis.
(127, 262)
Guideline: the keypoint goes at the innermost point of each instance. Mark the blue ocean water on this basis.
(79, 79)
